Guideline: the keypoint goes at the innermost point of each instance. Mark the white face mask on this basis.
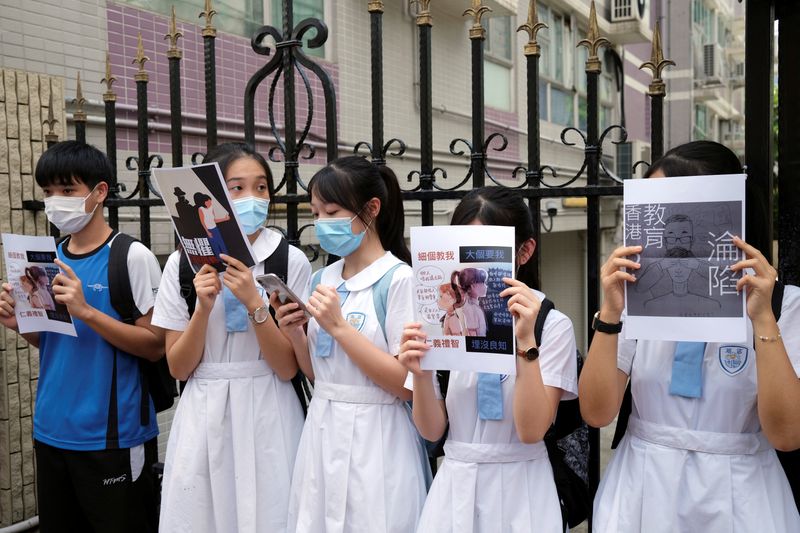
(68, 213)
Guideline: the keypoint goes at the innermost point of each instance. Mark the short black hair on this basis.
(69, 162)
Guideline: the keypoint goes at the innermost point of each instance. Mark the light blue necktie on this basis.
(235, 312)
(490, 396)
(324, 340)
(687, 370)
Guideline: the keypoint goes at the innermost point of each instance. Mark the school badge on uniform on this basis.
(733, 359)
(356, 320)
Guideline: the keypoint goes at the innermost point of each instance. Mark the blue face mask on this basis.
(252, 212)
(336, 235)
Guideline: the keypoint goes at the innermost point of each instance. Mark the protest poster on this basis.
(30, 268)
(685, 290)
(203, 215)
(458, 272)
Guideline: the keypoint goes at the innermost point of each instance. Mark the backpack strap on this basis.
(278, 262)
(546, 306)
(777, 299)
(186, 282)
(119, 281)
(121, 294)
(380, 296)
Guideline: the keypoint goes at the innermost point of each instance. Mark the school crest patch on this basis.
(356, 320)
(733, 359)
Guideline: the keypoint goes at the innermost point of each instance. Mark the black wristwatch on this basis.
(605, 327)
(531, 354)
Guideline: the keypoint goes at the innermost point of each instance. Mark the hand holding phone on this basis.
(273, 283)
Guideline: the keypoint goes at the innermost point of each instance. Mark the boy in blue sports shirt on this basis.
(93, 453)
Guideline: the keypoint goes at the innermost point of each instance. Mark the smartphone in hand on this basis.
(273, 283)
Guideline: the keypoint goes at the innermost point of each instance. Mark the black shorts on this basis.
(93, 491)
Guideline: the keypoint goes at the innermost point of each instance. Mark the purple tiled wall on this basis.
(235, 63)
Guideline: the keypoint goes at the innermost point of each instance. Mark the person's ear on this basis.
(526, 251)
(101, 192)
(372, 208)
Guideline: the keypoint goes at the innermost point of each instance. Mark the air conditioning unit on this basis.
(624, 10)
(712, 61)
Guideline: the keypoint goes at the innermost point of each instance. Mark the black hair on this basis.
(353, 181)
(499, 206)
(226, 153)
(466, 278)
(200, 199)
(697, 158)
(70, 162)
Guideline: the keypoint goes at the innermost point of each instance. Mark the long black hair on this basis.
(226, 153)
(499, 206)
(353, 181)
(697, 158)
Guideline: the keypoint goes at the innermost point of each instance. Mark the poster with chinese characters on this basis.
(685, 290)
(30, 269)
(459, 273)
(203, 216)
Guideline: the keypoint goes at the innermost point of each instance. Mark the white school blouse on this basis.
(234, 436)
(702, 464)
(489, 481)
(360, 465)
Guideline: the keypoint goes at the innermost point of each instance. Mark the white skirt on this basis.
(488, 488)
(665, 480)
(359, 466)
(231, 451)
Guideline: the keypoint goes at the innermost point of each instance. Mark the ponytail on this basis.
(353, 181)
(391, 218)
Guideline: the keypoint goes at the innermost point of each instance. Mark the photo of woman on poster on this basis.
(471, 282)
(451, 302)
(209, 221)
(36, 284)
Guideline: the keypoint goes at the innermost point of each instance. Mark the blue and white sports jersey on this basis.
(89, 392)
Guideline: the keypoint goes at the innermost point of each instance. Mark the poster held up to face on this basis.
(203, 216)
(30, 268)
(459, 272)
(685, 290)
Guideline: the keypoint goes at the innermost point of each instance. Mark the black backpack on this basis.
(789, 460)
(278, 264)
(155, 379)
(567, 443)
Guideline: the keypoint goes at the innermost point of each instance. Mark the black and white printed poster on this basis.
(685, 290)
(203, 216)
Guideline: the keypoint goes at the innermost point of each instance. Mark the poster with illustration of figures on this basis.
(203, 216)
(459, 273)
(30, 268)
(685, 289)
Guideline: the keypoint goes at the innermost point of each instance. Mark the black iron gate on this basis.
(288, 62)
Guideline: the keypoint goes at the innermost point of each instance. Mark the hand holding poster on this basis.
(685, 290)
(203, 215)
(459, 272)
(30, 268)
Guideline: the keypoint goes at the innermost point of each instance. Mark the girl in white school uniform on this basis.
(698, 454)
(496, 475)
(234, 437)
(360, 465)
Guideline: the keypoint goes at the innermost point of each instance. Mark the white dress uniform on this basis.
(489, 481)
(235, 432)
(701, 464)
(360, 462)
